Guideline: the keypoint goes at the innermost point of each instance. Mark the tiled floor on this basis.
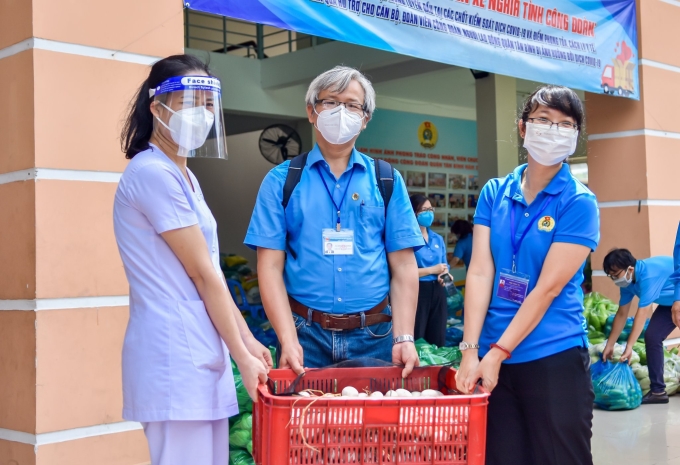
(648, 435)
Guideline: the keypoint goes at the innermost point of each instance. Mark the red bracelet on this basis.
(502, 349)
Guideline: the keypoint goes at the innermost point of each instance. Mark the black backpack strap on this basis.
(295, 168)
(384, 174)
(293, 177)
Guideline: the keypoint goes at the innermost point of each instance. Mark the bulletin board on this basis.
(436, 156)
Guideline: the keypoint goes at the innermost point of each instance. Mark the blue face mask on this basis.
(425, 219)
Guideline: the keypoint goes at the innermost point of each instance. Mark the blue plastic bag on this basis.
(454, 303)
(454, 336)
(615, 386)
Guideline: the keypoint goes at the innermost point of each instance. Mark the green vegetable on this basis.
(240, 438)
(640, 372)
(594, 335)
(245, 404)
(597, 349)
(597, 309)
(245, 423)
(240, 457)
(602, 313)
(241, 433)
(640, 349)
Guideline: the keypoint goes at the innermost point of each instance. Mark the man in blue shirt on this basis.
(327, 307)
(649, 280)
(463, 251)
(675, 279)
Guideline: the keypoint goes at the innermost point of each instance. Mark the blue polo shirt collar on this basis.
(315, 156)
(514, 188)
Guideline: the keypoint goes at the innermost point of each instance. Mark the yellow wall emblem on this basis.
(427, 134)
(546, 223)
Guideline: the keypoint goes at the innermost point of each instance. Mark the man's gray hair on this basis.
(337, 80)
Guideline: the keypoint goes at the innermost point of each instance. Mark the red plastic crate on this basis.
(447, 430)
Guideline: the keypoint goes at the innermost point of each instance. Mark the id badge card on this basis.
(513, 286)
(338, 242)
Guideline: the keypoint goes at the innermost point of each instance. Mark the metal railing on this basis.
(226, 35)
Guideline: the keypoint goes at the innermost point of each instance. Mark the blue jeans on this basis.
(323, 348)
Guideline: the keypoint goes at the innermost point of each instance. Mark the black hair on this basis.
(462, 228)
(417, 202)
(617, 260)
(138, 125)
(559, 98)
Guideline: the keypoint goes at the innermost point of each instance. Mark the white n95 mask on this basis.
(548, 145)
(189, 127)
(338, 126)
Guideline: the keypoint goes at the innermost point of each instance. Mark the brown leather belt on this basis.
(332, 322)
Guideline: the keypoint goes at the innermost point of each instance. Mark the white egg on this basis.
(390, 393)
(430, 393)
(415, 394)
(362, 394)
(377, 394)
(304, 394)
(402, 393)
(349, 391)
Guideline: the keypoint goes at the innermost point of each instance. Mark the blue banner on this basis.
(584, 44)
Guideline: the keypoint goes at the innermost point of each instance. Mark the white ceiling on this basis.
(448, 92)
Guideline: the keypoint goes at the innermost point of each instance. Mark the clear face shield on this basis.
(189, 113)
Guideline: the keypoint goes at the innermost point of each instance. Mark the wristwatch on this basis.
(404, 338)
(466, 345)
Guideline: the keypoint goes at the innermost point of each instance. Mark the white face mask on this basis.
(547, 145)
(338, 126)
(189, 127)
(624, 281)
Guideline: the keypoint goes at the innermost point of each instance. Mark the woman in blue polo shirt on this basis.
(463, 251)
(431, 314)
(534, 230)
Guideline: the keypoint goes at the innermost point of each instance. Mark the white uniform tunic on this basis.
(175, 365)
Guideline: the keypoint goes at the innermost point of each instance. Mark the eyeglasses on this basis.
(426, 210)
(617, 275)
(329, 104)
(565, 125)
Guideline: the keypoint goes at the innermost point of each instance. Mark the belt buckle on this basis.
(327, 319)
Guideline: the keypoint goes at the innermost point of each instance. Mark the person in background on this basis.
(360, 301)
(649, 280)
(463, 251)
(675, 279)
(177, 377)
(534, 230)
(431, 314)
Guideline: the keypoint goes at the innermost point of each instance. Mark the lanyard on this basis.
(516, 245)
(337, 207)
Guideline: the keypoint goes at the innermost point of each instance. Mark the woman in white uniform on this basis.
(177, 376)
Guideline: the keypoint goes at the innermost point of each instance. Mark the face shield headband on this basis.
(195, 122)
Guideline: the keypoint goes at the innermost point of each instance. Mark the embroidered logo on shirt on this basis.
(546, 224)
